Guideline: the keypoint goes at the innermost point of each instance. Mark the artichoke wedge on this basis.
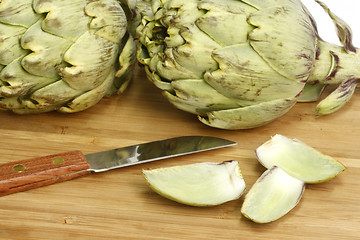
(298, 159)
(272, 196)
(200, 184)
(224, 60)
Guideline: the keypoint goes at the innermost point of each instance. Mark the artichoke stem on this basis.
(333, 64)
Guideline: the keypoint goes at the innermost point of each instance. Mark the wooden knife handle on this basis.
(41, 171)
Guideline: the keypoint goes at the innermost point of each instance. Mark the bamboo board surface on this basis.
(119, 205)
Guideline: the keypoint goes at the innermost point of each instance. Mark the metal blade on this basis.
(152, 151)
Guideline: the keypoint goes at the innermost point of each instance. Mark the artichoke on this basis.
(63, 55)
(240, 64)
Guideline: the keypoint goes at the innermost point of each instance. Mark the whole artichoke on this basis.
(63, 55)
(240, 64)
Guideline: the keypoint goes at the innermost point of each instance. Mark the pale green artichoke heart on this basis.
(272, 196)
(199, 184)
(298, 159)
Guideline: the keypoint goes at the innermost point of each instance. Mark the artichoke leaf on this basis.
(89, 98)
(20, 82)
(10, 103)
(54, 94)
(289, 50)
(10, 48)
(192, 58)
(219, 18)
(46, 58)
(260, 4)
(250, 116)
(109, 19)
(170, 68)
(339, 97)
(183, 104)
(18, 12)
(136, 11)
(60, 14)
(127, 59)
(91, 57)
(156, 80)
(198, 93)
(17, 106)
(311, 92)
(343, 29)
(178, 13)
(244, 74)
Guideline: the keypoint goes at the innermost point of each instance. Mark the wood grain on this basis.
(119, 205)
(41, 171)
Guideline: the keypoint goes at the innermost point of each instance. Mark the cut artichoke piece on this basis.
(200, 184)
(272, 196)
(298, 159)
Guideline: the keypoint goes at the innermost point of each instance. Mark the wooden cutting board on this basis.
(119, 205)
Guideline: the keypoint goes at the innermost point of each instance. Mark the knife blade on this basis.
(41, 171)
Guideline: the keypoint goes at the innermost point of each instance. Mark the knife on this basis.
(41, 171)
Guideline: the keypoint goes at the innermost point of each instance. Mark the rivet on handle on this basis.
(19, 168)
(58, 160)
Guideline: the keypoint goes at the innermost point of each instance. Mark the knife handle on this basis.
(41, 171)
